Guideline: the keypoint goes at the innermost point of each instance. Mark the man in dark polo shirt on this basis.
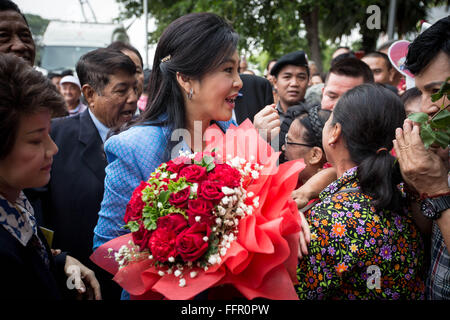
(290, 78)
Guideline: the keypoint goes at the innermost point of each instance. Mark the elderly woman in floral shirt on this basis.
(364, 244)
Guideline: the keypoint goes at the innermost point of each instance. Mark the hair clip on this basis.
(166, 58)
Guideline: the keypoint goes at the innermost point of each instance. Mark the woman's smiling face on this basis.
(215, 93)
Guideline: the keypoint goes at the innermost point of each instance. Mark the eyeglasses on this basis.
(296, 143)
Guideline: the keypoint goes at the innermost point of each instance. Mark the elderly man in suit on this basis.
(75, 190)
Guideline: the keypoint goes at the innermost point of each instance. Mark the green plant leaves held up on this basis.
(419, 117)
(436, 130)
(444, 90)
(441, 120)
(427, 134)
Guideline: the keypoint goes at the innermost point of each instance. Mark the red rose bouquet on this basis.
(204, 220)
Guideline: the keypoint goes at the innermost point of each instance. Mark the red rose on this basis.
(211, 190)
(141, 237)
(225, 175)
(135, 205)
(200, 208)
(193, 173)
(179, 199)
(177, 164)
(190, 243)
(162, 244)
(174, 221)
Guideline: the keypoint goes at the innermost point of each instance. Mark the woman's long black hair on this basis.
(192, 45)
(369, 115)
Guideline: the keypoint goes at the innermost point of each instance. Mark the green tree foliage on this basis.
(273, 25)
(281, 26)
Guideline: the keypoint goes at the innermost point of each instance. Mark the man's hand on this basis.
(422, 169)
(84, 279)
(267, 121)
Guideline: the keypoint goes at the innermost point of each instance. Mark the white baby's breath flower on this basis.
(227, 191)
(161, 273)
(218, 221)
(198, 218)
(150, 257)
(173, 176)
(194, 188)
(182, 282)
(193, 274)
(171, 259)
(223, 251)
(212, 259)
(160, 205)
(205, 239)
(177, 273)
(250, 194)
(221, 210)
(235, 162)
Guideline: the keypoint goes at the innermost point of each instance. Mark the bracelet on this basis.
(426, 195)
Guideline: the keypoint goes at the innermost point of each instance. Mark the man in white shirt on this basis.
(71, 91)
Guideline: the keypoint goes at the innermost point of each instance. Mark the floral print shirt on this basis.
(357, 252)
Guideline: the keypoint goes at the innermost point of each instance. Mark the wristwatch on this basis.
(433, 207)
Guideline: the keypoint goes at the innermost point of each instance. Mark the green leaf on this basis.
(208, 159)
(427, 134)
(150, 223)
(419, 117)
(133, 226)
(442, 118)
(435, 97)
(164, 196)
(442, 138)
(210, 167)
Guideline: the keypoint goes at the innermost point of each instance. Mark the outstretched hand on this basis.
(267, 121)
(83, 279)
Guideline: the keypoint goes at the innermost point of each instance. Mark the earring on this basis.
(190, 94)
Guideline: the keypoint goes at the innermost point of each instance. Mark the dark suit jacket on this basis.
(256, 94)
(24, 274)
(75, 191)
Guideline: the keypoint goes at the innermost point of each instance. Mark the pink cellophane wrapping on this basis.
(262, 262)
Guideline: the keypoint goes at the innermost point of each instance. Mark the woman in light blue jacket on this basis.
(194, 83)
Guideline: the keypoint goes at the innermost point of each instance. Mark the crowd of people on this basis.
(75, 146)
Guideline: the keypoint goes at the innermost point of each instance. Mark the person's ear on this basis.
(274, 79)
(392, 73)
(335, 134)
(315, 156)
(185, 83)
(89, 94)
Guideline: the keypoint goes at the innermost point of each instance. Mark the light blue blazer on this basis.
(132, 156)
